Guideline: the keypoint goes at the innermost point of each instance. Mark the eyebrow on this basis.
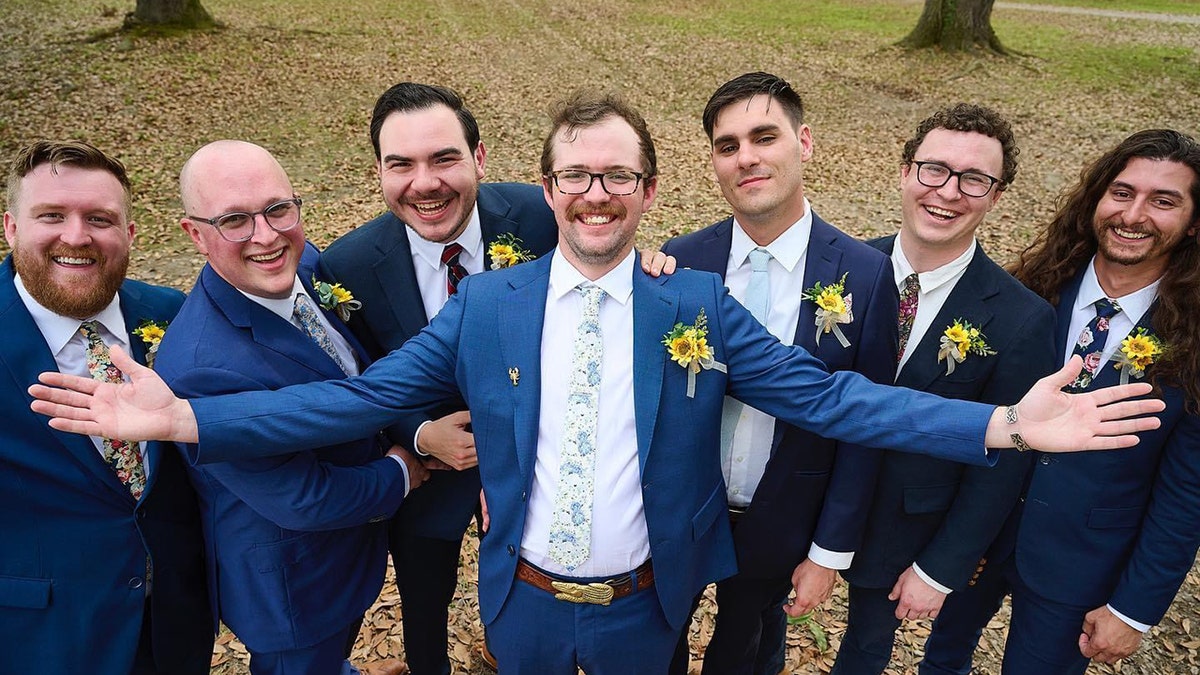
(1161, 191)
(756, 131)
(946, 164)
(444, 152)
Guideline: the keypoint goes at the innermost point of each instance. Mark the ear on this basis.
(905, 169)
(548, 191)
(131, 232)
(649, 191)
(10, 229)
(804, 133)
(194, 232)
(480, 158)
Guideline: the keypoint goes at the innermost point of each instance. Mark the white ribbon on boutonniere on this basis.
(688, 346)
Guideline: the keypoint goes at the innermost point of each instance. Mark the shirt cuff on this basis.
(929, 580)
(834, 560)
(417, 448)
(403, 470)
(1140, 627)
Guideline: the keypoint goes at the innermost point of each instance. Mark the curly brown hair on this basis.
(586, 108)
(971, 118)
(1069, 242)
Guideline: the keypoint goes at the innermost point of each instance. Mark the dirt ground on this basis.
(300, 77)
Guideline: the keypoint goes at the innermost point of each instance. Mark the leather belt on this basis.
(596, 593)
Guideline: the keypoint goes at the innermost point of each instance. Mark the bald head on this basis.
(220, 164)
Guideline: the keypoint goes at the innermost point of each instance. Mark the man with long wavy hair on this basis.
(1103, 541)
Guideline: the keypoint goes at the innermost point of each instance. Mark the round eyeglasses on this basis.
(578, 181)
(970, 183)
(238, 226)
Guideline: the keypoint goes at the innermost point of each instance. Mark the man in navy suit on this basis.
(797, 501)
(430, 161)
(562, 360)
(1102, 542)
(296, 543)
(932, 520)
(79, 546)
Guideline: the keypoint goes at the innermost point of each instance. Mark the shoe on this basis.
(488, 659)
(385, 667)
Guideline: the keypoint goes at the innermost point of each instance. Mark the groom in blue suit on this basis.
(297, 544)
(597, 442)
(797, 501)
(78, 545)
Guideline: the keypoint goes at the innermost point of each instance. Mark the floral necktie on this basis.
(571, 525)
(124, 457)
(1091, 343)
(909, 295)
(454, 269)
(310, 323)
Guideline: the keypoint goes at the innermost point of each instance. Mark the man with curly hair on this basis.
(1102, 542)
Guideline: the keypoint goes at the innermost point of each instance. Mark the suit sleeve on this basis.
(856, 467)
(985, 497)
(1166, 546)
(297, 491)
(790, 384)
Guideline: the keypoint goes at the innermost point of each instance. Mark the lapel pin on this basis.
(515, 375)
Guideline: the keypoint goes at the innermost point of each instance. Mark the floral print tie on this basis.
(303, 312)
(1091, 343)
(908, 310)
(571, 525)
(124, 457)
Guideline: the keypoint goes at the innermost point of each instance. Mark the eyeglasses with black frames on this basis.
(238, 226)
(970, 183)
(578, 181)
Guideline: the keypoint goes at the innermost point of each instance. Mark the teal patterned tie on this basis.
(124, 457)
(571, 526)
(304, 313)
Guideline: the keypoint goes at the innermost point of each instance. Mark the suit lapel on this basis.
(655, 310)
(821, 263)
(712, 255)
(360, 352)
(521, 349)
(1065, 310)
(393, 269)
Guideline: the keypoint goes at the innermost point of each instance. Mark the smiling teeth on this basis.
(267, 257)
(430, 208)
(940, 212)
(596, 220)
(73, 261)
(1128, 234)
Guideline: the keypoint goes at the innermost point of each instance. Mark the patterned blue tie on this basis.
(310, 323)
(1091, 343)
(571, 526)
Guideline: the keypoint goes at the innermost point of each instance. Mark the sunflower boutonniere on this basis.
(1138, 351)
(151, 332)
(960, 339)
(834, 306)
(688, 346)
(507, 251)
(335, 298)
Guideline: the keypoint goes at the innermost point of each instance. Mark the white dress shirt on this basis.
(427, 262)
(936, 286)
(620, 541)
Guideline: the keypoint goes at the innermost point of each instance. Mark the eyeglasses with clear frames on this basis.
(578, 181)
(238, 226)
(970, 183)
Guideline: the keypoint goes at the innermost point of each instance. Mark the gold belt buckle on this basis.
(592, 594)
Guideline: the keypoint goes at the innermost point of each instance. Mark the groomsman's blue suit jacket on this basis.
(74, 542)
(940, 514)
(813, 490)
(1121, 526)
(291, 556)
(375, 263)
(493, 326)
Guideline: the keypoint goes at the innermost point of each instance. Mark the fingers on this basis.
(84, 427)
(459, 419)
(63, 404)
(1065, 375)
(123, 362)
(1107, 395)
(61, 381)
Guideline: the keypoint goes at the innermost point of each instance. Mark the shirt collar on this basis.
(788, 248)
(1133, 305)
(618, 283)
(471, 239)
(936, 277)
(281, 307)
(58, 329)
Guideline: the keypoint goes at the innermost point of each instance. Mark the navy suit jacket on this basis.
(74, 541)
(375, 263)
(291, 556)
(494, 323)
(1121, 526)
(940, 514)
(813, 489)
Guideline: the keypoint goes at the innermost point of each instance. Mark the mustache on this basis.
(76, 252)
(614, 209)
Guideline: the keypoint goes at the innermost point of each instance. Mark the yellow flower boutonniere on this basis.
(507, 251)
(1138, 351)
(335, 298)
(151, 332)
(834, 306)
(960, 339)
(688, 346)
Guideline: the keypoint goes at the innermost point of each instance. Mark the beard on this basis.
(602, 252)
(77, 295)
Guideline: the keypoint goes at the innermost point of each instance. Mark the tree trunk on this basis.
(955, 26)
(179, 13)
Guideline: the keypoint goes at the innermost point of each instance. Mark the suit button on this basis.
(522, 495)
(1045, 459)
(136, 582)
(511, 550)
(971, 582)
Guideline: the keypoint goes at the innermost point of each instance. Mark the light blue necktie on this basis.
(571, 525)
(758, 301)
(310, 323)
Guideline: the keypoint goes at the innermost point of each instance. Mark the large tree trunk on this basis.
(180, 13)
(955, 26)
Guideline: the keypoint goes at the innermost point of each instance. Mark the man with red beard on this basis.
(102, 564)
(1101, 542)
